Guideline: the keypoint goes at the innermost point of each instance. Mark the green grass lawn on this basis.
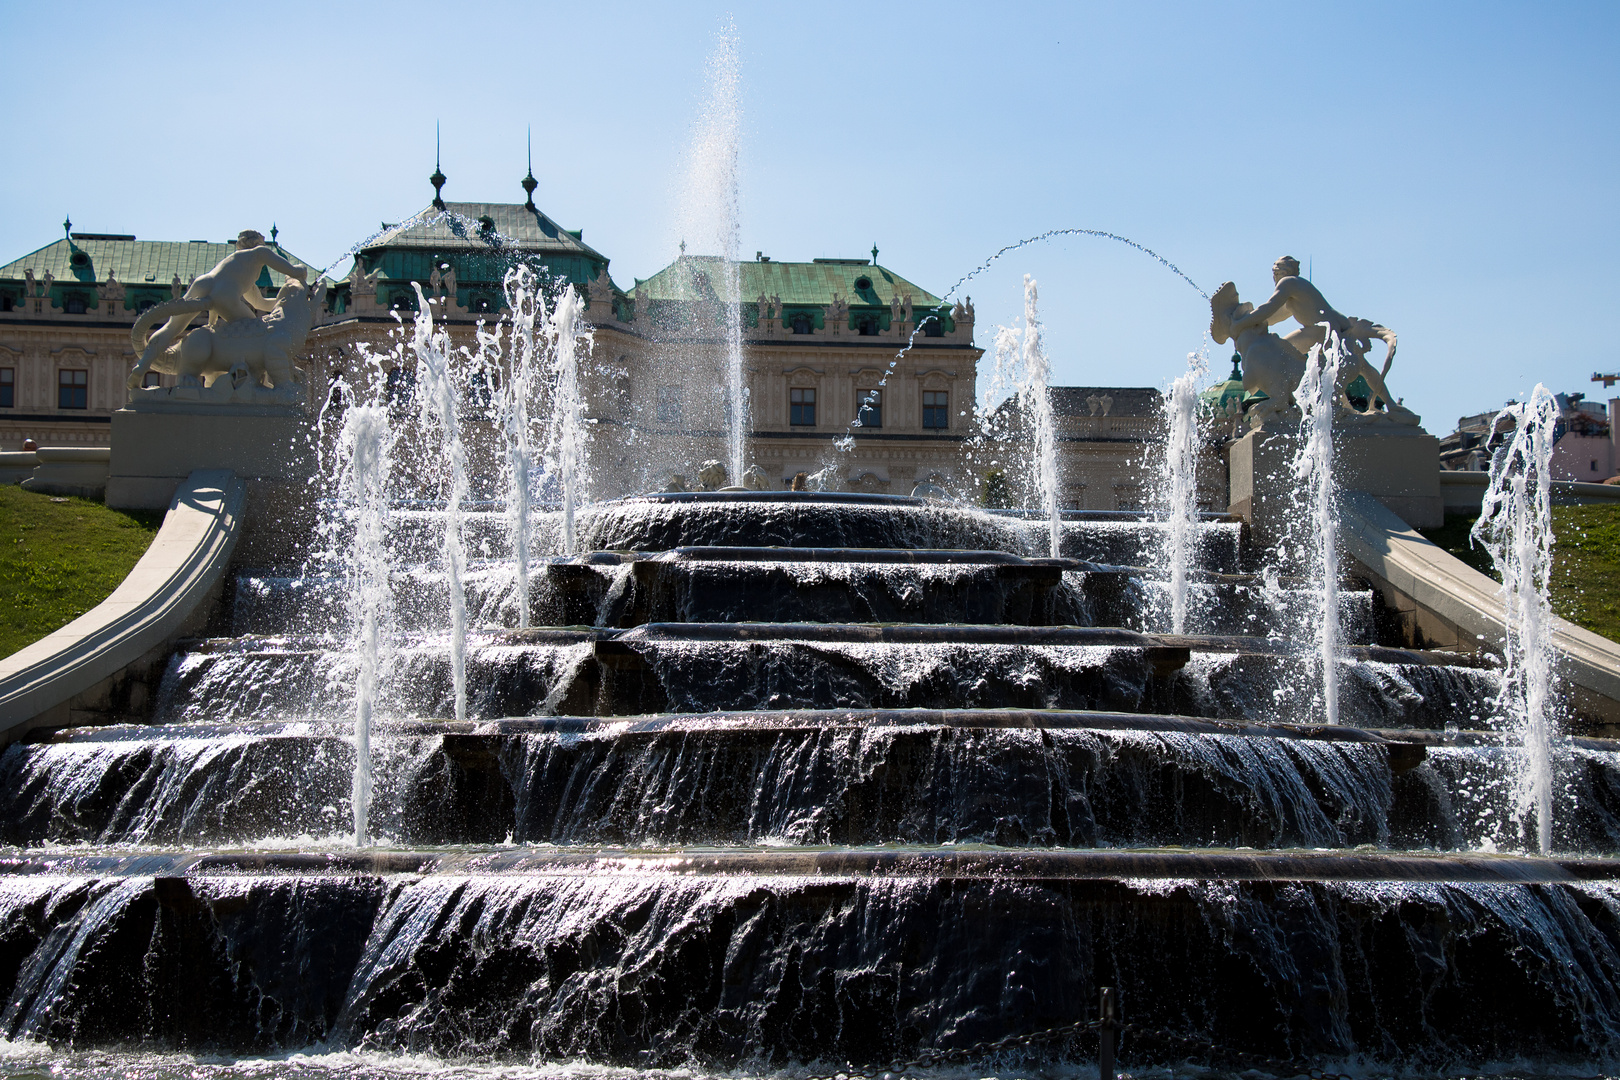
(1586, 563)
(59, 558)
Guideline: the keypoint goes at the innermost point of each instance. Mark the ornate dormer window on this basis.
(75, 304)
(802, 323)
(868, 325)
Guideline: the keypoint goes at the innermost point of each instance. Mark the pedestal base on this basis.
(1400, 466)
(269, 448)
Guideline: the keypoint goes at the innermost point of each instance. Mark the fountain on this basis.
(754, 781)
(518, 391)
(1313, 466)
(1178, 486)
(1515, 526)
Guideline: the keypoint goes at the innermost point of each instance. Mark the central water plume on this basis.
(1317, 396)
(711, 214)
(565, 450)
(1036, 399)
(1178, 487)
(1515, 526)
(524, 298)
(438, 410)
(365, 448)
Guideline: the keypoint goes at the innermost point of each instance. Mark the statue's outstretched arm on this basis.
(1274, 310)
(283, 266)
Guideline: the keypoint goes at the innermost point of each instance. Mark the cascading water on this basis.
(1036, 399)
(1515, 526)
(1317, 397)
(565, 450)
(1178, 486)
(439, 410)
(364, 458)
(526, 303)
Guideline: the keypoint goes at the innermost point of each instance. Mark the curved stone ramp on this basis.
(40, 685)
(1436, 592)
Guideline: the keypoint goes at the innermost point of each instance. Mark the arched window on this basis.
(802, 323)
(74, 304)
(868, 325)
(933, 326)
(403, 301)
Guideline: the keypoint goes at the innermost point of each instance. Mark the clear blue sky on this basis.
(1445, 169)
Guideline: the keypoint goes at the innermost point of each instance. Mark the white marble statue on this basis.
(247, 361)
(236, 340)
(1273, 364)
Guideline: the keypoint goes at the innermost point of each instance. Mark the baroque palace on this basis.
(825, 343)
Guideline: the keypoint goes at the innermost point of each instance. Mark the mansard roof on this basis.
(809, 284)
(131, 261)
(481, 241)
(516, 225)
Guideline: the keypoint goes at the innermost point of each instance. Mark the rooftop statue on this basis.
(1273, 364)
(255, 350)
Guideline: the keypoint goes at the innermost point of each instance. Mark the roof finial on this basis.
(438, 178)
(273, 232)
(683, 249)
(67, 227)
(529, 182)
(874, 253)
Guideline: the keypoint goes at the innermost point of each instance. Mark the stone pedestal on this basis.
(269, 447)
(1398, 465)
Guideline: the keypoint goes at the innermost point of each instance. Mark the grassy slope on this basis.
(59, 559)
(1586, 563)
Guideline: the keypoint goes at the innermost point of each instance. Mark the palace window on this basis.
(73, 389)
(669, 404)
(8, 387)
(871, 411)
(936, 409)
(74, 304)
(147, 304)
(482, 304)
(802, 323)
(403, 301)
(802, 407)
(868, 325)
(8, 302)
(933, 326)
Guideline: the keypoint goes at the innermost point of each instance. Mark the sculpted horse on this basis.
(264, 348)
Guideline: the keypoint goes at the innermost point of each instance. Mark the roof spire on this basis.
(438, 178)
(874, 253)
(683, 249)
(67, 227)
(273, 232)
(529, 182)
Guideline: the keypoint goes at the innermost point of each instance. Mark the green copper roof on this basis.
(811, 284)
(132, 262)
(523, 228)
